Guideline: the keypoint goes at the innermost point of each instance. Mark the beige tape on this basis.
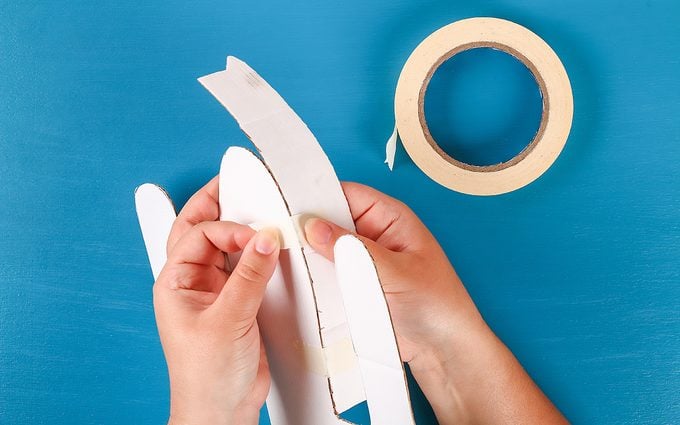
(553, 83)
(332, 360)
(291, 232)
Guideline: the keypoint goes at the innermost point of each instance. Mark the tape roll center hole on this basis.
(483, 107)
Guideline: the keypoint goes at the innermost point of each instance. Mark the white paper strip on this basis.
(309, 185)
(156, 214)
(287, 319)
(372, 334)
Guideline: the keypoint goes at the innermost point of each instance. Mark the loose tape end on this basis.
(391, 149)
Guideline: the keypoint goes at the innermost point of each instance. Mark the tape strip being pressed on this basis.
(528, 165)
(291, 232)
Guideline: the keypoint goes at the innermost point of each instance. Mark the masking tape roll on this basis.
(553, 82)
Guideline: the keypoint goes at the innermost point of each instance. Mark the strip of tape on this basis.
(332, 360)
(291, 232)
(391, 148)
(411, 126)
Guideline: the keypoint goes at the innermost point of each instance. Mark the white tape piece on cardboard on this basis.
(290, 230)
(372, 334)
(155, 213)
(308, 184)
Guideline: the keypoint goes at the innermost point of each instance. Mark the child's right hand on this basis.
(427, 300)
(466, 373)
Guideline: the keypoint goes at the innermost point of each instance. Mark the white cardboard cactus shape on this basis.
(326, 327)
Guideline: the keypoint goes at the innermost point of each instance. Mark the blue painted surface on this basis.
(578, 273)
(483, 106)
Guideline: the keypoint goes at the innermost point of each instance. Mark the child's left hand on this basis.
(206, 315)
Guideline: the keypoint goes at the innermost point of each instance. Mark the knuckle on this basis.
(250, 271)
(394, 206)
(162, 281)
(173, 278)
(201, 226)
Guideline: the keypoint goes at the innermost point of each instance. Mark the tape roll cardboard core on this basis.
(552, 81)
(541, 87)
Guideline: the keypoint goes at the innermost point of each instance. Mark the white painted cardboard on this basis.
(372, 334)
(155, 213)
(326, 328)
(309, 185)
(288, 317)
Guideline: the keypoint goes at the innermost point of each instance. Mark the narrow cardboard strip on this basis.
(155, 213)
(288, 318)
(309, 185)
(372, 334)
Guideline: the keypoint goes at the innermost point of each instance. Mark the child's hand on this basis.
(427, 301)
(206, 316)
(217, 366)
(466, 373)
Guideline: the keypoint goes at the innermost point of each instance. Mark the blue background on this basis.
(578, 273)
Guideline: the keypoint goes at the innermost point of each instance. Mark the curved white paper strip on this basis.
(288, 318)
(155, 213)
(372, 334)
(309, 185)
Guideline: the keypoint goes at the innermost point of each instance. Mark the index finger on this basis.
(206, 243)
(202, 206)
(383, 219)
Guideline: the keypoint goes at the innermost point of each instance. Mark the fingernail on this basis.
(266, 241)
(318, 231)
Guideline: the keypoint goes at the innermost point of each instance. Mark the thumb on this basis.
(242, 294)
(322, 235)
